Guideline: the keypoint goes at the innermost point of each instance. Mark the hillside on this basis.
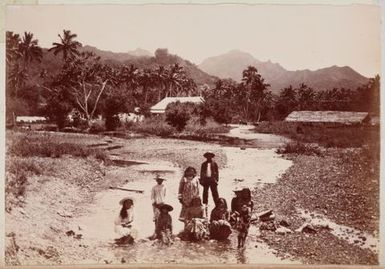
(142, 59)
(51, 63)
(231, 65)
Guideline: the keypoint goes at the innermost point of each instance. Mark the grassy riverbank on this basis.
(49, 184)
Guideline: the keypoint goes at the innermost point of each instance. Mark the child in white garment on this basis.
(158, 196)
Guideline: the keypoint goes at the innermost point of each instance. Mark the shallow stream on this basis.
(245, 167)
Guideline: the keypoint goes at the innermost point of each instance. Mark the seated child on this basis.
(220, 228)
(124, 222)
(195, 224)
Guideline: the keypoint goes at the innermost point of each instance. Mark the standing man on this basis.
(209, 178)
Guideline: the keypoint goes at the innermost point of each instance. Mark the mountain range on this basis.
(231, 65)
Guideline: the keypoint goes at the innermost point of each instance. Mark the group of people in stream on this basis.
(197, 224)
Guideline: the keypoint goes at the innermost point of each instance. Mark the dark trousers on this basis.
(214, 191)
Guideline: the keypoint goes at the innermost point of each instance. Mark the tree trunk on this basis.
(145, 95)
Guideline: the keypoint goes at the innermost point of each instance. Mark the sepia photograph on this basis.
(192, 134)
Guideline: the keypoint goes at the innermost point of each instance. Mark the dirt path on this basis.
(249, 167)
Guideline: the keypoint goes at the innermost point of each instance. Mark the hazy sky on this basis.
(297, 37)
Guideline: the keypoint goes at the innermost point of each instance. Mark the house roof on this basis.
(343, 117)
(161, 106)
(30, 119)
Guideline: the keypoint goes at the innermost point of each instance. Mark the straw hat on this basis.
(158, 178)
(239, 189)
(121, 202)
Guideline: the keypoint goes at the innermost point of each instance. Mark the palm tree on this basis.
(249, 75)
(12, 47)
(189, 87)
(29, 49)
(147, 80)
(219, 88)
(174, 79)
(68, 46)
(129, 75)
(287, 101)
(160, 76)
(255, 87)
(306, 97)
(17, 78)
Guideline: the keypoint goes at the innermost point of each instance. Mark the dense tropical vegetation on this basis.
(82, 82)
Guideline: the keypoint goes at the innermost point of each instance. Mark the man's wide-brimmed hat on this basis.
(159, 178)
(121, 202)
(165, 206)
(209, 154)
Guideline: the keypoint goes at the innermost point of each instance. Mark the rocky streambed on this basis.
(77, 224)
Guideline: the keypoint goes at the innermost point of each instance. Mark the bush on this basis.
(17, 172)
(16, 184)
(97, 126)
(299, 148)
(219, 110)
(154, 126)
(17, 165)
(26, 146)
(195, 127)
(178, 114)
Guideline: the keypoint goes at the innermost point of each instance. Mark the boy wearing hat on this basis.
(158, 196)
(163, 226)
(209, 177)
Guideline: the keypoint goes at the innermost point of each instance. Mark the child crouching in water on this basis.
(163, 225)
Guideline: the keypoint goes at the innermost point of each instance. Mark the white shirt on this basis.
(208, 172)
(158, 194)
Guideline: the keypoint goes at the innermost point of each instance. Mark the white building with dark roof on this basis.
(160, 107)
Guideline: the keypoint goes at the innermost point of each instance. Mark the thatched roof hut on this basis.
(328, 117)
